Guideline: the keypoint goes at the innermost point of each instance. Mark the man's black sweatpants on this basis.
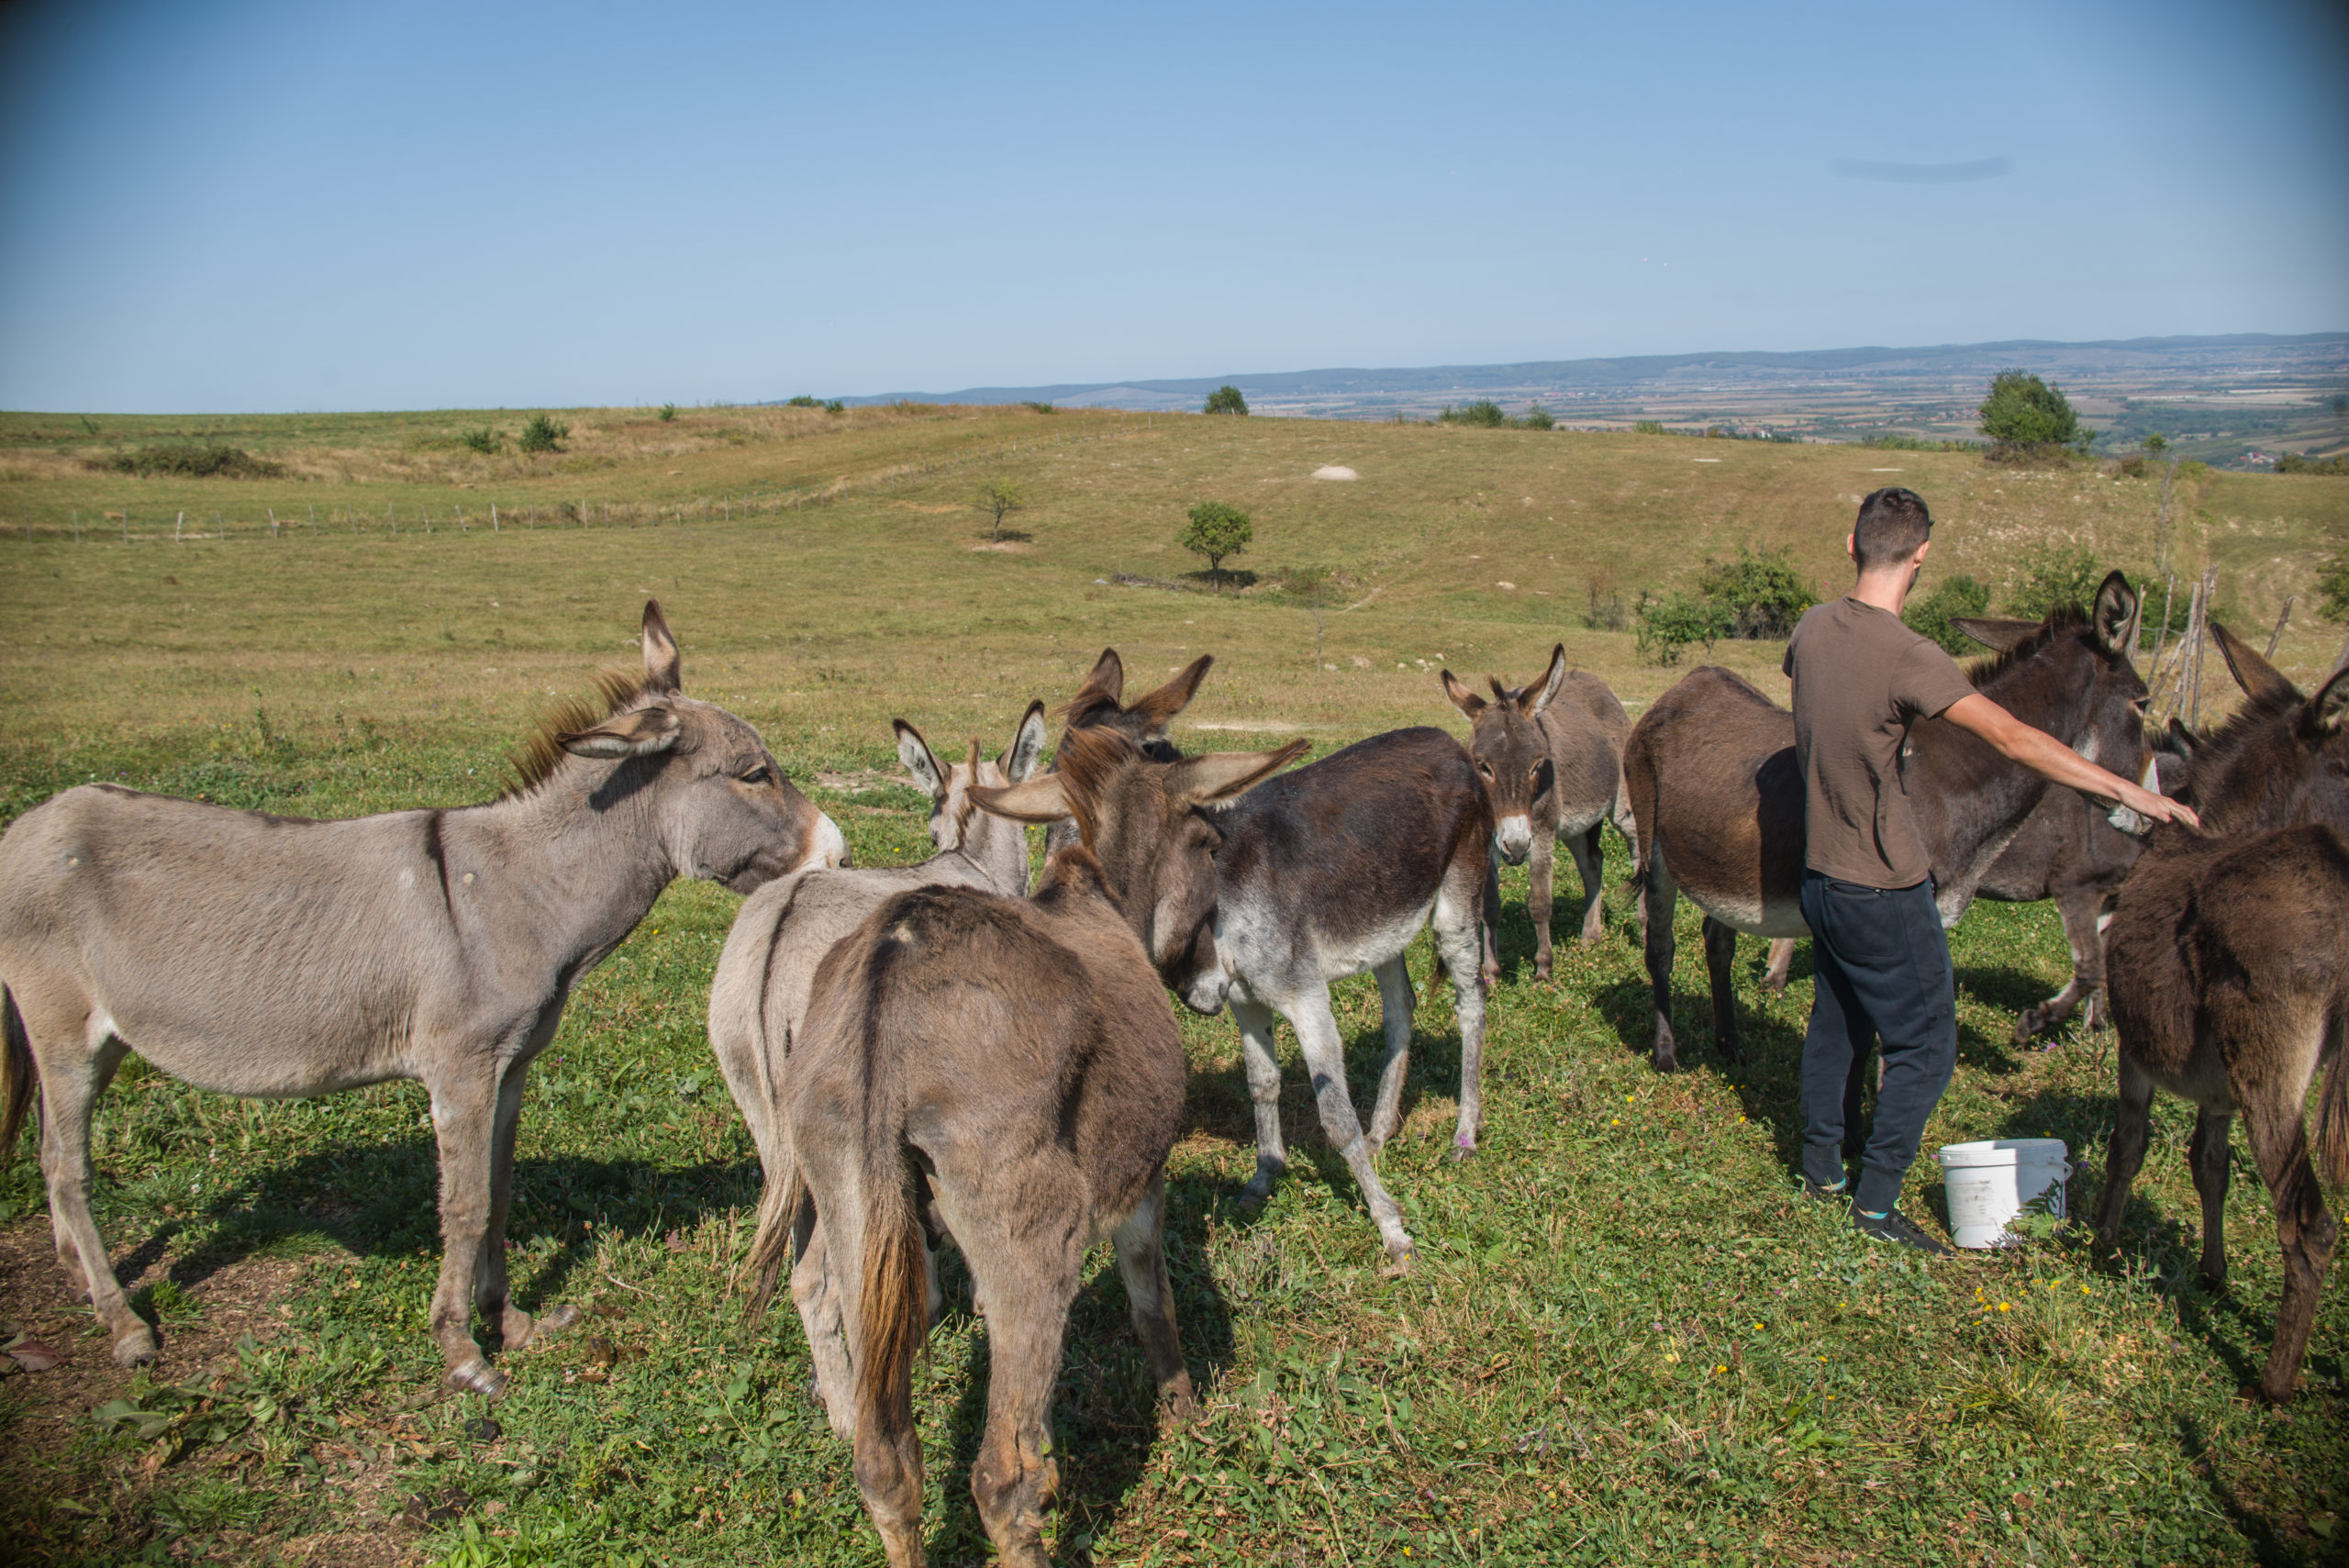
(1882, 976)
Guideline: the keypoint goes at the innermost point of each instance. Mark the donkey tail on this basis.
(18, 1078)
(779, 1201)
(2332, 1107)
(893, 1293)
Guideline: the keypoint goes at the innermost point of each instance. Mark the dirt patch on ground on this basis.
(1008, 546)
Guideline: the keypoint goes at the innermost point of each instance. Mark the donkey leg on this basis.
(831, 1384)
(1491, 925)
(1325, 1057)
(1014, 1474)
(2132, 1124)
(1782, 965)
(886, 1448)
(2207, 1150)
(72, 1077)
(1721, 959)
(1456, 933)
(464, 1116)
(491, 1293)
(1658, 895)
(2086, 943)
(1541, 865)
(1395, 1004)
(1150, 1295)
(1590, 865)
(1256, 1043)
(2278, 1137)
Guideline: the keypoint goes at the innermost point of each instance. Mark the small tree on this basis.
(1217, 530)
(1930, 614)
(543, 435)
(666, 411)
(997, 497)
(2333, 587)
(2155, 444)
(2024, 411)
(2053, 577)
(1226, 399)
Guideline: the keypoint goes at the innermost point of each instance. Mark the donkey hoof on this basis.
(1462, 1146)
(477, 1376)
(550, 1322)
(1397, 1264)
(136, 1348)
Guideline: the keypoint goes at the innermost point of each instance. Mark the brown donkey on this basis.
(1097, 704)
(276, 958)
(1008, 1072)
(1550, 756)
(2229, 968)
(1717, 803)
(758, 999)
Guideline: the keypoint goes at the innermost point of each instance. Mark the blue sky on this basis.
(249, 206)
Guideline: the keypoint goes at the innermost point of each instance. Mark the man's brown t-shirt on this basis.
(1861, 679)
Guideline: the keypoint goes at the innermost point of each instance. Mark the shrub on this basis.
(666, 411)
(1758, 596)
(2023, 411)
(1214, 530)
(1669, 623)
(836, 405)
(1647, 427)
(2301, 462)
(1538, 419)
(1035, 408)
(213, 460)
(2333, 587)
(1226, 399)
(1483, 413)
(997, 497)
(1604, 611)
(802, 401)
(1929, 613)
(2050, 576)
(484, 441)
(542, 434)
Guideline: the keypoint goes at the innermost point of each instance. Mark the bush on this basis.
(215, 460)
(1214, 530)
(836, 405)
(1538, 419)
(1035, 408)
(1647, 428)
(2023, 411)
(802, 401)
(1483, 413)
(2333, 587)
(543, 435)
(1929, 613)
(1756, 597)
(1669, 623)
(484, 441)
(2053, 577)
(666, 411)
(2301, 462)
(1226, 399)
(1895, 441)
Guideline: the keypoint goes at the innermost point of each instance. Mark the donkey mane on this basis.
(2259, 709)
(532, 762)
(1080, 711)
(1089, 758)
(2061, 621)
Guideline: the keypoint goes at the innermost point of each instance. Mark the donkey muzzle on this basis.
(1513, 836)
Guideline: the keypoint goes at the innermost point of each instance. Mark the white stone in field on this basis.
(1335, 471)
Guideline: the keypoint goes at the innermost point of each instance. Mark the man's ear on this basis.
(639, 733)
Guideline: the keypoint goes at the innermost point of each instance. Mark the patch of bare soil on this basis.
(43, 1458)
(1008, 546)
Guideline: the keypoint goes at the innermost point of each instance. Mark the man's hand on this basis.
(2058, 763)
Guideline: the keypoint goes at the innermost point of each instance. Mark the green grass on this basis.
(1624, 1338)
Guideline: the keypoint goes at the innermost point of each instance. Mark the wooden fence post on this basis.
(273, 521)
(493, 516)
(77, 525)
(2281, 622)
(177, 527)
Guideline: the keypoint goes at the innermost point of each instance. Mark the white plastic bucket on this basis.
(1988, 1183)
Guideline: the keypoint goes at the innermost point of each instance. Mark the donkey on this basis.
(1718, 803)
(2230, 982)
(1551, 758)
(1325, 873)
(274, 957)
(1008, 1072)
(1143, 721)
(758, 999)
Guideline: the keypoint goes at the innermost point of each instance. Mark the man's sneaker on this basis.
(1840, 1193)
(1896, 1226)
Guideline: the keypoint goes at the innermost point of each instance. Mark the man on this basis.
(1881, 960)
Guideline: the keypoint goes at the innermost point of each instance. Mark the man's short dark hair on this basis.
(1893, 523)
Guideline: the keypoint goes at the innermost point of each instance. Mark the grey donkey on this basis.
(1007, 1071)
(758, 1000)
(1551, 758)
(276, 958)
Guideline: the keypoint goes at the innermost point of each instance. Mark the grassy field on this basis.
(1624, 1340)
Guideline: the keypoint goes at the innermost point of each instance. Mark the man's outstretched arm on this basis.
(2058, 763)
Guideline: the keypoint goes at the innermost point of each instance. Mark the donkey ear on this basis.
(920, 760)
(2115, 612)
(2328, 707)
(1108, 676)
(663, 671)
(2255, 674)
(1032, 800)
(1998, 635)
(1532, 700)
(639, 733)
(1227, 775)
(1158, 709)
(2180, 740)
(1467, 701)
(1026, 745)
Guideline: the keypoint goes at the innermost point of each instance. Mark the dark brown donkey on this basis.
(1550, 756)
(1143, 721)
(277, 958)
(1008, 1072)
(1717, 803)
(2229, 966)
